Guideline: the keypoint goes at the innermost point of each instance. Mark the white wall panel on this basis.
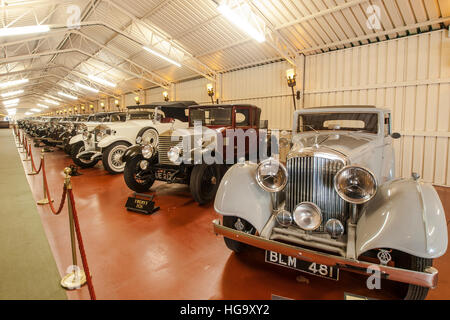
(266, 87)
(411, 77)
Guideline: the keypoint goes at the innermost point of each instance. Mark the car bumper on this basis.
(427, 279)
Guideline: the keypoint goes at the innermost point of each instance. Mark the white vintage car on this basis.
(108, 142)
(336, 205)
(74, 136)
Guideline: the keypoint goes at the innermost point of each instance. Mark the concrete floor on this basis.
(174, 254)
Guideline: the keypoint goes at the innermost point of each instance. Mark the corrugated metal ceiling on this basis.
(199, 36)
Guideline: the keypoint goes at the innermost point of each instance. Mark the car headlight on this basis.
(271, 175)
(307, 216)
(356, 185)
(86, 135)
(148, 151)
(174, 154)
(138, 140)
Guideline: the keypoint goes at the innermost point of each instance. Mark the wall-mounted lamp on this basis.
(116, 102)
(82, 108)
(76, 109)
(291, 81)
(210, 89)
(102, 104)
(166, 96)
(137, 99)
(91, 107)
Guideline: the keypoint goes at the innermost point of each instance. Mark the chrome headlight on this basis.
(86, 135)
(308, 216)
(148, 151)
(174, 154)
(271, 175)
(356, 185)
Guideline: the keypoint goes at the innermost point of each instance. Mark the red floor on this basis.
(174, 254)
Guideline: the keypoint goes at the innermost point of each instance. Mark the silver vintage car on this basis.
(335, 204)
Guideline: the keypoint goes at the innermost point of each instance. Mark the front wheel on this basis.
(132, 172)
(75, 150)
(410, 262)
(237, 224)
(204, 182)
(112, 157)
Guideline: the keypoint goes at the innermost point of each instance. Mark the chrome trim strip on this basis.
(427, 279)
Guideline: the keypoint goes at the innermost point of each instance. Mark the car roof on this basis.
(164, 104)
(343, 108)
(225, 105)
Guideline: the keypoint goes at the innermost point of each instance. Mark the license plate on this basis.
(313, 268)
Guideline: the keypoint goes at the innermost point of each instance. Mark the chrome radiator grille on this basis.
(165, 143)
(311, 180)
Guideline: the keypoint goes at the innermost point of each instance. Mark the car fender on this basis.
(76, 139)
(109, 140)
(405, 215)
(240, 195)
(132, 152)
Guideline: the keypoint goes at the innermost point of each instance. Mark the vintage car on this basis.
(72, 137)
(77, 143)
(337, 205)
(146, 164)
(108, 142)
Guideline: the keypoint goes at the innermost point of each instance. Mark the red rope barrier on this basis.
(81, 247)
(33, 166)
(63, 198)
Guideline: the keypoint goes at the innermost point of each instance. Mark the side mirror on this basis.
(396, 135)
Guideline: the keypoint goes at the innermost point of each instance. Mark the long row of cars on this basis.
(333, 204)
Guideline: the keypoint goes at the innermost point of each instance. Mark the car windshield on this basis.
(354, 121)
(211, 116)
(140, 115)
(120, 117)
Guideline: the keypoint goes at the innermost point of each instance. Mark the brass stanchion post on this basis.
(76, 277)
(27, 158)
(46, 200)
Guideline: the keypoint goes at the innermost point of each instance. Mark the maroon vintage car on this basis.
(217, 136)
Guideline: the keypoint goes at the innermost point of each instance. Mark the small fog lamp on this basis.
(334, 228)
(284, 218)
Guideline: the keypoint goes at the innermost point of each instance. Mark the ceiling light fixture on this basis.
(12, 93)
(13, 83)
(63, 94)
(55, 103)
(11, 105)
(28, 113)
(102, 81)
(5, 32)
(86, 87)
(241, 18)
(12, 112)
(35, 110)
(12, 101)
(42, 106)
(162, 56)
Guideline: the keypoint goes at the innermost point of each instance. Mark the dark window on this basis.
(361, 122)
(242, 117)
(211, 116)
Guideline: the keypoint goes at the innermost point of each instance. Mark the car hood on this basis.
(351, 144)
